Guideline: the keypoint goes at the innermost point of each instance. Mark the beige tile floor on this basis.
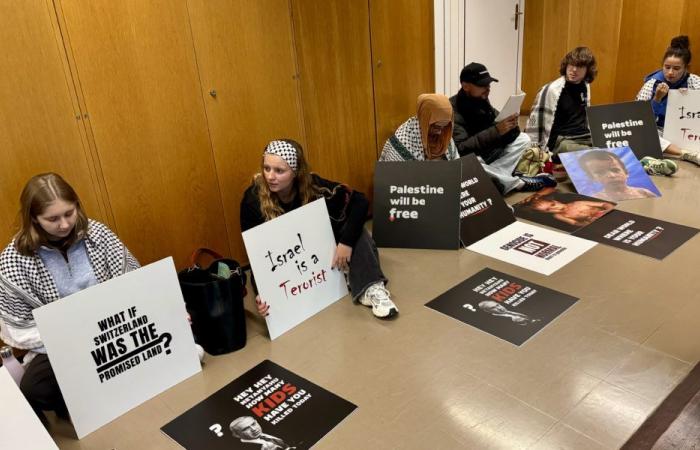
(426, 381)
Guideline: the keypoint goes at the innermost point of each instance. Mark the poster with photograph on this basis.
(20, 428)
(531, 247)
(502, 305)
(629, 124)
(291, 259)
(564, 211)
(682, 124)
(117, 344)
(416, 204)
(482, 209)
(267, 407)
(611, 174)
(638, 234)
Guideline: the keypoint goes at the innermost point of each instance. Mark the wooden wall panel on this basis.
(333, 51)
(39, 130)
(253, 72)
(136, 67)
(648, 28)
(544, 44)
(596, 24)
(403, 54)
(690, 26)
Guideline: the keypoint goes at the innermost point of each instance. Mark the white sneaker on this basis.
(379, 298)
(693, 157)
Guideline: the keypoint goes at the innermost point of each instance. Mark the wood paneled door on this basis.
(40, 126)
(403, 67)
(250, 87)
(333, 49)
(136, 66)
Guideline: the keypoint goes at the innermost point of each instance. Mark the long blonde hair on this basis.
(39, 192)
(303, 183)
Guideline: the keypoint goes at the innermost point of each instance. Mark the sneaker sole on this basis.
(392, 312)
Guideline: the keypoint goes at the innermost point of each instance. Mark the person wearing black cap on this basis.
(499, 145)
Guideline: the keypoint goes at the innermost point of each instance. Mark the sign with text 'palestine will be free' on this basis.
(117, 344)
(268, 406)
(502, 305)
(629, 124)
(291, 258)
(416, 204)
(435, 204)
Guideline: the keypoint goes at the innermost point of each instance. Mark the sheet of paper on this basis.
(512, 106)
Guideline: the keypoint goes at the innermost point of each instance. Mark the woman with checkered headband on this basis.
(286, 183)
(56, 252)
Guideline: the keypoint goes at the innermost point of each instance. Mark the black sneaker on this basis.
(534, 184)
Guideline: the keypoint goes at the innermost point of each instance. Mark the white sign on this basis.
(532, 247)
(19, 426)
(117, 344)
(291, 258)
(511, 107)
(682, 125)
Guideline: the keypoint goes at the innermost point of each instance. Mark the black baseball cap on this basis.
(476, 73)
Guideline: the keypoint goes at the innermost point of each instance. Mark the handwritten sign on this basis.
(682, 126)
(291, 259)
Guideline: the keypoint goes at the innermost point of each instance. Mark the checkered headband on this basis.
(284, 150)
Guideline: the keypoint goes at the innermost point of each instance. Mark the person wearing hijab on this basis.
(427, 136)
(498, 145)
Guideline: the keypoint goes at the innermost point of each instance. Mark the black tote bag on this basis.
(214, 299)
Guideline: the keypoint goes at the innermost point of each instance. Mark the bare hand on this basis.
(661, 91)
(507, 124)
(341, 259)
(263, 308)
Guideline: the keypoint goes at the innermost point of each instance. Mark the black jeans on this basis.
(364, 266)
(40, 387)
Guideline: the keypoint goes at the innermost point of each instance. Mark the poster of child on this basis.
(612, 174)
(565, 211)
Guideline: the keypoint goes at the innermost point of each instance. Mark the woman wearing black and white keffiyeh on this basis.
(57, 251)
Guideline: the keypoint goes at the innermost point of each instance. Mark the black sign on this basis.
(268, 406)
(482, 209)
(564, 211)
(416, 204)
(629, 124)
(639, 234)
(502, 305)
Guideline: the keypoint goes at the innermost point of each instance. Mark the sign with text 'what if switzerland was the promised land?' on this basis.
(117, 344)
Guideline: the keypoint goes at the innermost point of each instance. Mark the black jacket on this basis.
(347, 209)
(474, 128)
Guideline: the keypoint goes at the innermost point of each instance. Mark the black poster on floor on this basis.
(629, 124)
(268, 406)
(416, 204)
(638, 234)
(502, 305)
(564, 211)
(482, 208)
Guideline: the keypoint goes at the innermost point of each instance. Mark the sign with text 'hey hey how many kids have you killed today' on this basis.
(291, 258)
(117, 344)
(416, 204)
